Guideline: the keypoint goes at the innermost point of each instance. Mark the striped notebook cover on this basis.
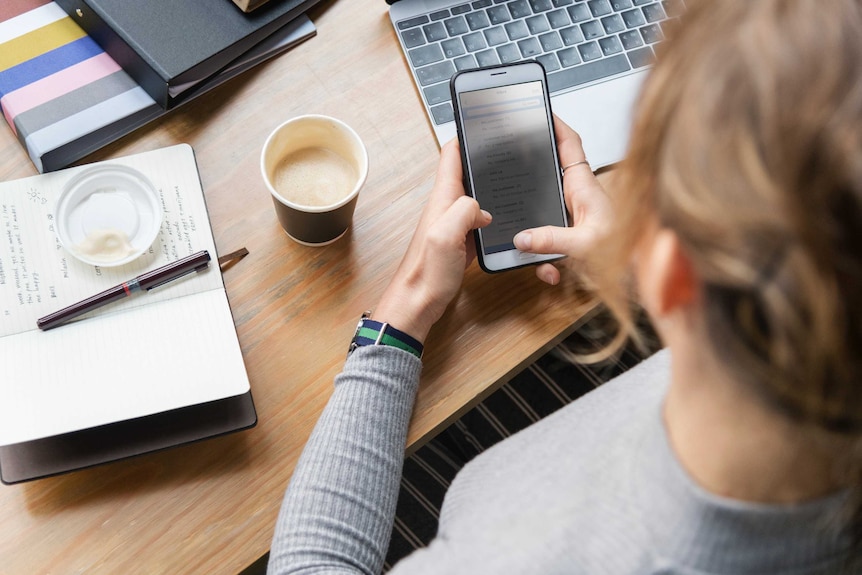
(61, 94)
(64, 97)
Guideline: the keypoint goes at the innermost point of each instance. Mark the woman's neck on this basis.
(734, 445)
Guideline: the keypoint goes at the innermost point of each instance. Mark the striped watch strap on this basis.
(370, 332)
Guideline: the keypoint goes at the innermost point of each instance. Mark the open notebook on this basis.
(172, 349)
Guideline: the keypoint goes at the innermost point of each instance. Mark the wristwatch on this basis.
(370, 332)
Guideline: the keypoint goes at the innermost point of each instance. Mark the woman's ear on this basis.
(666, 278)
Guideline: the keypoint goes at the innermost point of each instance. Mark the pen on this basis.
(145, 282)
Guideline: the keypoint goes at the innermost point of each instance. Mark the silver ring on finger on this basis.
(573, 164)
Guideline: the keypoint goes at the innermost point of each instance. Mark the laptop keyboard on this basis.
(577, 41)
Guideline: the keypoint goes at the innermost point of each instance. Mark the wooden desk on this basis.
(211, 507)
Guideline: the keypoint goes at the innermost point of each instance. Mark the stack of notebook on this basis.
(66, 93)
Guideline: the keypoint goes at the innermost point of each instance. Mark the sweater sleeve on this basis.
(337, 513)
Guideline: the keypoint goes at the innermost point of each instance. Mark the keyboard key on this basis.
(631, 39)
(572, 36)
(641, 57)
(613, 24)
(477, 20)
(599, 8)
(476, 41)
(425, 55)
(496, 35)
(537, 24)
(467, 62)
(487, 58)
(540, 5)
(413, 37)
(456, 26)
(529, 48)
(508, 53)
(418, 21)
(569, 57)
(561, 3)
(610, 46)
(481, 4)
(579, 13)
(441, 15)
(517, 30)
(653, 13)
(443, 113)
(453, 47)
(642, 2)
(549, 62)
(651, 33)
(435, 32)
(590, 51)
(558, 18)
(519, 9)
(463, 8)
(592, 29)
(634, 18)
(550, 41)
(498, 14)
(590, 72)
(437, 93)
(620, 5)
(435, 73)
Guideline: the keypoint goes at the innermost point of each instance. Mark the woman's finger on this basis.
(569, 146)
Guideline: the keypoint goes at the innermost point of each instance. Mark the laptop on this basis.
(596, 54)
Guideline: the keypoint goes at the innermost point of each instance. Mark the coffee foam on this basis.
(314, 177)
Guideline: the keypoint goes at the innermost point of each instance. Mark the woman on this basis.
(734, 450)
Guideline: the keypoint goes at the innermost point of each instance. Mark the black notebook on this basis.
(170, 47)
(88, 447)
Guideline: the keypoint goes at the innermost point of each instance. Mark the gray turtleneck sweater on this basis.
(594, 488)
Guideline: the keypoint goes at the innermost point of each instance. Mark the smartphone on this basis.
(509, 153)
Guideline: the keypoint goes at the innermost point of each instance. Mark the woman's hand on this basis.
(590, 210)
(431, 271)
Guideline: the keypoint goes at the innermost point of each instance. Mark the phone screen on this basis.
(508, 140)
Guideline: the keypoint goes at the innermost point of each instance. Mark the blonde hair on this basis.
(748, 145)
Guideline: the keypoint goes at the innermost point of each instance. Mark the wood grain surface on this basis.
(210, 507)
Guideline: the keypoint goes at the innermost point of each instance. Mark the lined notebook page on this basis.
(156, 351)
(169, 355)
(38, 276)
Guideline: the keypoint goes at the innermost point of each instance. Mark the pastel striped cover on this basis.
(59, 91)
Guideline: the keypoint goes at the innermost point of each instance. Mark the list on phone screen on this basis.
(511, 159)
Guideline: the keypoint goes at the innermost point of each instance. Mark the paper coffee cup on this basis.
(314, 167)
